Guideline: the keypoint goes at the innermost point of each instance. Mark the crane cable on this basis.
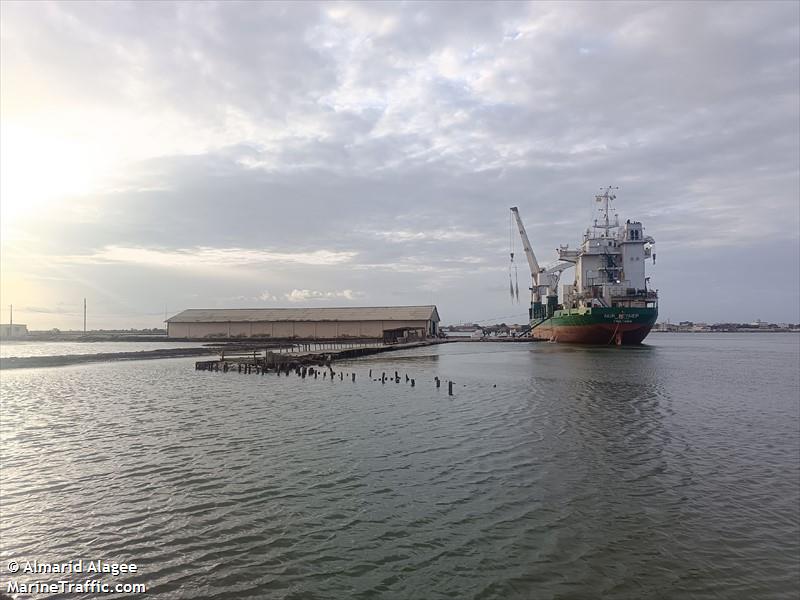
(511, 250)
(512, 267)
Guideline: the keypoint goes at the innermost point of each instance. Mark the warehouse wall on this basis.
(290, 329)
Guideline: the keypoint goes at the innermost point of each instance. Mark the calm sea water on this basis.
(18, 348)
(666, 471)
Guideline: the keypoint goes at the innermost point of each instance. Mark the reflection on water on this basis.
(663, 471)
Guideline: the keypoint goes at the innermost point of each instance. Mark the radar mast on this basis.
(606, 198)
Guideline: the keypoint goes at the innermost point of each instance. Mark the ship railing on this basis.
(632, 293)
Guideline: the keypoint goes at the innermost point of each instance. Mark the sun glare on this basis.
(38, 170)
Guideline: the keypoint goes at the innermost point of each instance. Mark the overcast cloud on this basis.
(161, 155)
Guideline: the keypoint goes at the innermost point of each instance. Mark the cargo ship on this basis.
(610, 301)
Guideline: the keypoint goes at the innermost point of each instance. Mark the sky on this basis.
(161, 156)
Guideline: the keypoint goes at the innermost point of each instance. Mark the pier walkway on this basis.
(285, 358)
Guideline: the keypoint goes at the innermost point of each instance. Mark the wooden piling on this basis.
(449, 388)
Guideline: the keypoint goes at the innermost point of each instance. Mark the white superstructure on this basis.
(610, 263)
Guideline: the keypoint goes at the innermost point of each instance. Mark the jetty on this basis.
(299, 355)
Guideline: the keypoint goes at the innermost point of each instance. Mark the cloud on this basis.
(437, 235)
(58, 309)
(321, 147)
(206, 257)
(310, 295)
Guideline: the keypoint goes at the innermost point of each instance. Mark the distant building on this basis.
(392, 322)
(13, 331)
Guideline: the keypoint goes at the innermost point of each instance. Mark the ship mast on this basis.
(606, 198)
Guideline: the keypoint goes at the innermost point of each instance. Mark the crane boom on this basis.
(526, 246)
(559, 266)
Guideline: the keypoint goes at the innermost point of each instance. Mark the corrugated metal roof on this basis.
(244, 315)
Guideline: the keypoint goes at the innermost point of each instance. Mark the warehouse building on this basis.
(391, 323)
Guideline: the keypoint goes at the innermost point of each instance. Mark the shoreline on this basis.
(34, 362)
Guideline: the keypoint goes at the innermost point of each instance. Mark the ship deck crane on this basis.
(529, 255)
(544, 280)
(553, 273)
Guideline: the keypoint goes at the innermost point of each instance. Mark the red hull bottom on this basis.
(623, 334)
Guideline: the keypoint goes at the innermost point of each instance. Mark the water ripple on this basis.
(552, 472)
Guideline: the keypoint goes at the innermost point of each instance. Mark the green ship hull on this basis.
(622, 326)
